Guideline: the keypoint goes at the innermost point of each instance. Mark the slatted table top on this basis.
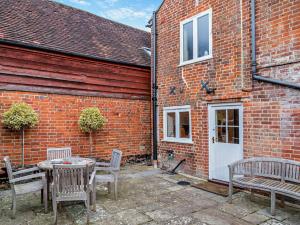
(48, 164)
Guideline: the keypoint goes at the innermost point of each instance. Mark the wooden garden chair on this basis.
(113, 167)
(71, 183)
(26, 181)
(58, 153)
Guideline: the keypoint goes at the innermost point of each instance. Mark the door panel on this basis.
(225, 139)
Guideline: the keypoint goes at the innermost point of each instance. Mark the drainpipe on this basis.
(255, 75)
(152, 24)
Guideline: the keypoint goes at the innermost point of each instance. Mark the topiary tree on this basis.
(19, 117)
(91, 120)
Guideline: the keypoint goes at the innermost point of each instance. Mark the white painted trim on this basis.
(195, 38)
(211, 133)
(177, 110)
(177, 107)
(202, 59)
(178, 140)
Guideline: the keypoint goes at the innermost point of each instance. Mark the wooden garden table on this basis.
(47, 165)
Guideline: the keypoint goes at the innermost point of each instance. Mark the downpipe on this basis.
(152, 25)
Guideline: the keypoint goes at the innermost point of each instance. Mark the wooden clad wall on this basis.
(32, 70)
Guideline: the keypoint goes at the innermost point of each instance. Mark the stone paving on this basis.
(147, 196)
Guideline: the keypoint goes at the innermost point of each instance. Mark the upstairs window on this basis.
(196, 38)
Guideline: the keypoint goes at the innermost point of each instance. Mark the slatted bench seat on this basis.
(277, 176)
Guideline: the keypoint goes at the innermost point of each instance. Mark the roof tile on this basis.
(47, 24)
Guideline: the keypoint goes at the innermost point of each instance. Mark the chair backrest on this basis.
(8, 167)
(116, 158)
(68, 179)
(58, 153)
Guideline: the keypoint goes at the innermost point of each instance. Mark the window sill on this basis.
(202, 59)
(178, 141)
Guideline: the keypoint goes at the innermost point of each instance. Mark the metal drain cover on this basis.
(183, 183)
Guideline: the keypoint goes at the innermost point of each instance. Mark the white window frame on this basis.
(194, 19)
(177, 110)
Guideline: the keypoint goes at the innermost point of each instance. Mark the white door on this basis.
(225, 138)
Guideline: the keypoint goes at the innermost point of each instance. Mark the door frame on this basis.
(211, 132)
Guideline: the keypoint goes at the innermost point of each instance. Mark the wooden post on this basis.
(23, 142)
(91, 144)
(273, 202)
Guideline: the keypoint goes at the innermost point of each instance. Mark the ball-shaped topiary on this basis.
(20, 116)
(91, 120)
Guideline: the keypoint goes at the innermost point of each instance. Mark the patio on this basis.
(147, 196)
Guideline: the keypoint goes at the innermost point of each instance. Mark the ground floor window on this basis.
(177, 124)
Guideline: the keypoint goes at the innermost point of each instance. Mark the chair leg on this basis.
(273, 202)
(45, 198)
(42, 196)
(230, 190)
(54, 205)
(88, 210)
(14, 205)
(251, 195)
(116, 189)
(94, 197)
(109, 187)
(282, 203)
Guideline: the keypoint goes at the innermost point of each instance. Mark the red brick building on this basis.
(61, 60)
(236, 115)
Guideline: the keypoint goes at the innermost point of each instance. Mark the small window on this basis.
(177, 124)
(196, 38)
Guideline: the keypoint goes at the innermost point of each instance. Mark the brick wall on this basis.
(128, 126)
(271, 113)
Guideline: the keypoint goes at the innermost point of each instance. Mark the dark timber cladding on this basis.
(56, 73)
(49, 47)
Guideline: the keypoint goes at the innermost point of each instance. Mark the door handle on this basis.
(213, 140)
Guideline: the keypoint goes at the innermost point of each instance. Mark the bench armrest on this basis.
(36, 175)
(33, 169)
(231, 171)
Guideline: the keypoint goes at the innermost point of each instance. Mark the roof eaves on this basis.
(34, 47)
(159, 7)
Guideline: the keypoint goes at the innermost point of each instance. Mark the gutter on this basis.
(50, 50)
(152, 24)
(255, 75)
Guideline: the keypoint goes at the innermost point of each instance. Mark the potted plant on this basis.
(90, 121)
(19, 117)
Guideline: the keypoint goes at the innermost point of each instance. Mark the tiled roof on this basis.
(47, 24)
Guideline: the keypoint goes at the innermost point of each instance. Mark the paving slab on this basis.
(237, 210)
(184, 220)
(280, 215)
(151, 198)
(216, 217)
(293, 220)
(273, 222)
(161, 215)
(132, 217)
(78, 213)
(256, 218)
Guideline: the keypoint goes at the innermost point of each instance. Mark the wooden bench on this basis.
(277, 176)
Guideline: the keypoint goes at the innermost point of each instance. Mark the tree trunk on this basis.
(91, 144)
(23, 141)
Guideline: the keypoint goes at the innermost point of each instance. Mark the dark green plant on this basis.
(90, 121)
(19, 117)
